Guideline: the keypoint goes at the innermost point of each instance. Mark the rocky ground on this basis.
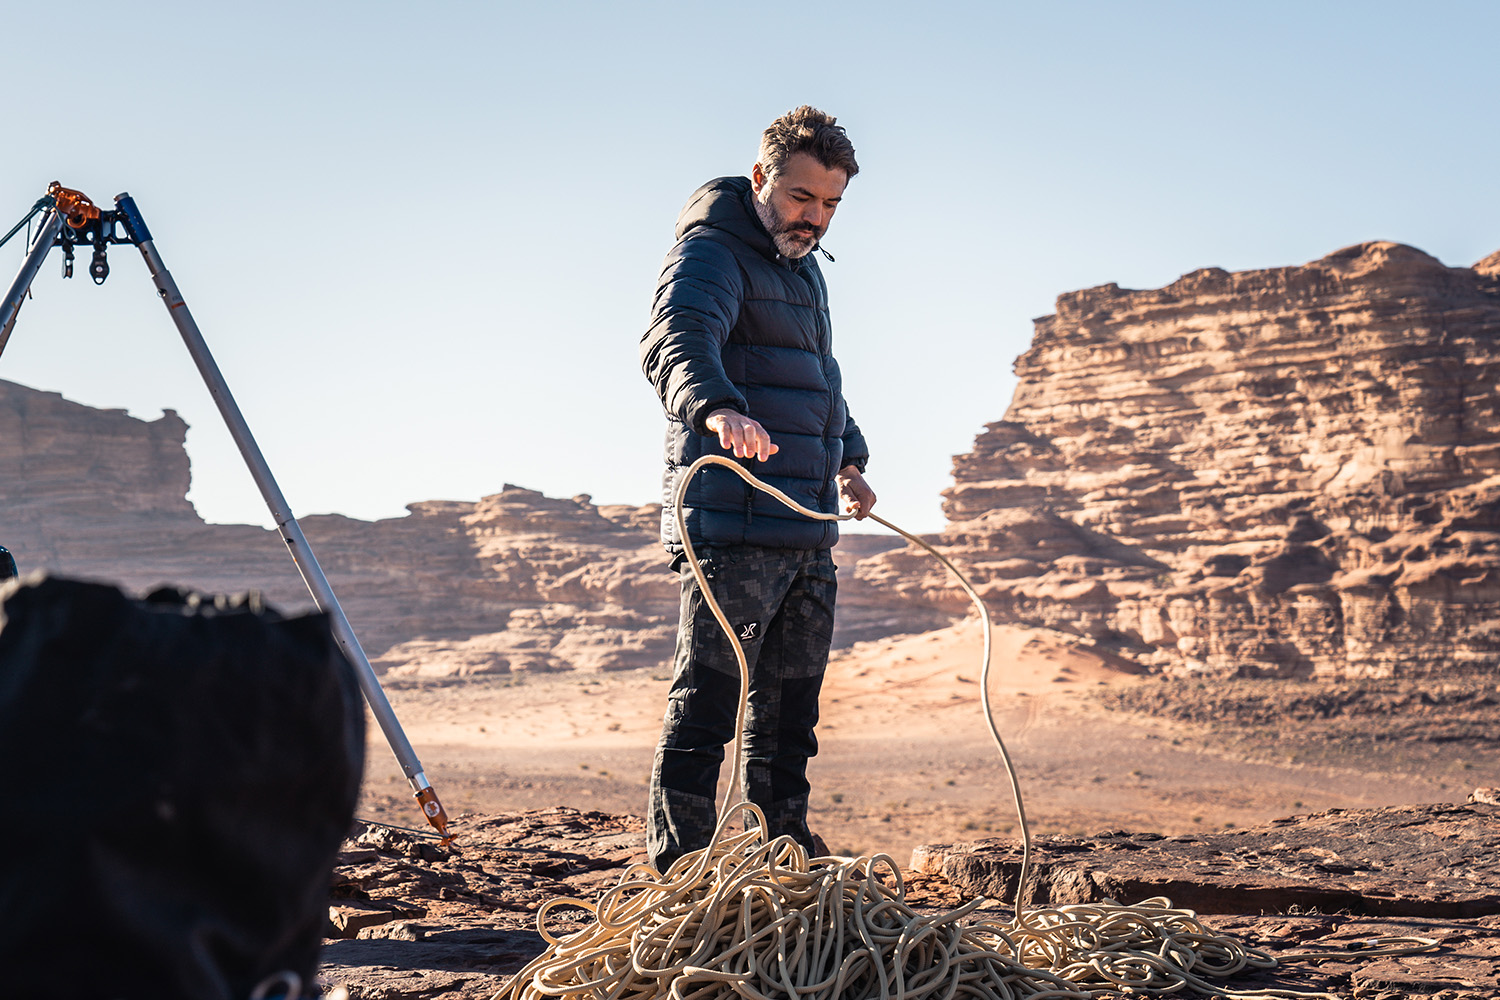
(412, 919)
(1248, 800)
(1412, 725)
(1372, 712)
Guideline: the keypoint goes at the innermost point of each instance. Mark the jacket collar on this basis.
(725, 204)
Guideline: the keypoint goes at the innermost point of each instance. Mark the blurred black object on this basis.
(182, 772)
(7, 564)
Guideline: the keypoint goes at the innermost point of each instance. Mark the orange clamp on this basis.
(74, 206)
(435, 813)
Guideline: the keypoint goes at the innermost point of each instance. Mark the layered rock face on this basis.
(128, 465)
(1293, 471)
(515, 581)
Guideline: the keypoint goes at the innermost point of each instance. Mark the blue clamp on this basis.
(135, 226)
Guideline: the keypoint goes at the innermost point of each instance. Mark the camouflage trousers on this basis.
(780, 602)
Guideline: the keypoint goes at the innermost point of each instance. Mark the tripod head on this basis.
(88, 225)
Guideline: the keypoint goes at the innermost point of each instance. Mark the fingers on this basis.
(852, 503)
(741, 435)
(758, 442)
(857, 495)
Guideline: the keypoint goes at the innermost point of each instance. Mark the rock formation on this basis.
(1285, 472)
(514, 581)
(60, 459)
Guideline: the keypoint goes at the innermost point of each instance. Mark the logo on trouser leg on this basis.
(748, 631)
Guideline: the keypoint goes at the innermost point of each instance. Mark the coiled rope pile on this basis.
(747, 917)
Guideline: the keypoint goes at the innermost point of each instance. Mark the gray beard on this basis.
(787, 242)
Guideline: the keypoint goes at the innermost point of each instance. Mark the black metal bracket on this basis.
(110, 228)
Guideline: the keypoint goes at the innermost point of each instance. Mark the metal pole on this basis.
(286, 524)
(51, 224)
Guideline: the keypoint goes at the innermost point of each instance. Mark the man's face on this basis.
(797, 204)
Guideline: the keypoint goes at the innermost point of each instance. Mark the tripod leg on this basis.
(286, 524)
(51, 224)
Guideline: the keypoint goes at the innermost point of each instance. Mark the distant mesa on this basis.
(67, 459)
(1287, 472)
(514, 581)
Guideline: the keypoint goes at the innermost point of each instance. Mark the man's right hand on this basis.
(740, 434)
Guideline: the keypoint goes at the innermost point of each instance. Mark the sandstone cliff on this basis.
(1293, 471)
(514, 581)
(121, 465)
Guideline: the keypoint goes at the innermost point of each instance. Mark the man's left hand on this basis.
(856, 494)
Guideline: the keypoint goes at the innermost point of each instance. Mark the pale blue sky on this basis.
(421, 239)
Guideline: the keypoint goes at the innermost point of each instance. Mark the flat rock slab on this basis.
(1440, 861)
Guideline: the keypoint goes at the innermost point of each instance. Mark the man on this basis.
(740, 352)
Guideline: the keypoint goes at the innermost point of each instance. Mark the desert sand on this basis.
(905, 757)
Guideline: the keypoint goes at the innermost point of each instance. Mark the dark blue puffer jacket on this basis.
(735, 324)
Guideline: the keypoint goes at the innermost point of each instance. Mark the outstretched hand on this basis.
(740, 434)
(855, 493)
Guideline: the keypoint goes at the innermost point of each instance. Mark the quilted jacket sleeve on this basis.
(697, 303)
(856, 452)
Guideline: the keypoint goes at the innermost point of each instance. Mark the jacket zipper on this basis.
(749, 464)
(828, 471)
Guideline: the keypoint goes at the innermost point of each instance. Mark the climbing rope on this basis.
(760, 919)
(732, 793)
